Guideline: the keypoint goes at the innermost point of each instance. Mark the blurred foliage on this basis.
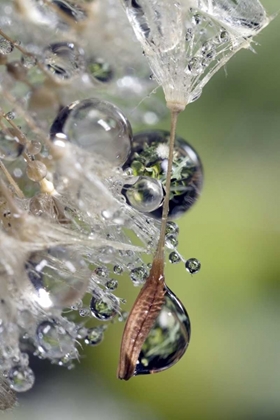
(232, 367)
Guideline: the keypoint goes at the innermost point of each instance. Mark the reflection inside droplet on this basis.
(168, 339)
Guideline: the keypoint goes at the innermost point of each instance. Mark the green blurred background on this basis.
(232, 367)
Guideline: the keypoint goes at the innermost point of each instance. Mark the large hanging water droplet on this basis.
(193, 265)
(64, 59)
(59, 277)
(54, 342)
(105, 307)
(145, 195)
(96, 126)
(149, 158)
(168, 339)
(21, 378)
(10, 147)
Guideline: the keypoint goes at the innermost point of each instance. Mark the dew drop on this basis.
(98, 69)
(193, 265)
(21, 378)
(145, 195)
(10, 148)
(172, 228)
(104, 308)
(138, 275)
(94, 336)
(54, 341)
(118, 270)
(168, 339)
(96, 126)
(171, 241)
(64, 60)
(28, 61)
(59, 277)
(174, 258)
(111, 284)
(149, 158)
(6, 47)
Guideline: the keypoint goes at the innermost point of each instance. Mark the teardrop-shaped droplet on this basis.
(149, 158)
(168, 339)
(64, 59)
(145, 195)
(96, 126)
(59, 277)
(54, 341)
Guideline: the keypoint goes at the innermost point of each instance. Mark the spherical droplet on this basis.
(54, 341)
(138, 275)
(21, 378)
(64, 60)
(172, 228)
(171, 241)
(96, 126)
(98, 69)
(111, 284)
(10, 147)
(59, 277)
(6, 47)
(94, 336)
(36, 170)
(149, 157)
(117, 269)
(193, 265)
(145, 195)
(28, 61)
(104, 308)
(174, 258)
(168, 339)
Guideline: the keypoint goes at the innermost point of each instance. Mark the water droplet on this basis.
(117, 269)
(36, 170)
(111, 284)
(5, 46)
(100, 70)
(224, 36)
(96, 126)
(101, 272)
(197, 19)
(28, 61)
(64, 60)
(149, 158)
(72, 10)
(83, 312)
(168, 339)
(193, 265)
(105, 307)
(138, 275)
(174, 258)
(171, 241)
(145, 195)
(194, 66)
(172, 227)
(59, 277)
(10, 148)
(54, 341)
(21, 378)
(94, 336)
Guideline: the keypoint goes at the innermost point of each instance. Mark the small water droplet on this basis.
(83, 312)
(193, 265)
(97, 127)
(94, 336)
(101, 272)
(138, 275)
(104, 308)
(118, 269)
(21, 378)
(64, 60)
(172, 227)
(100, 70)
(171, 241)
(54, 341)
(174, 258)
(28, 61)
(196, 19)
(168, 339)
(111, 284)
(145, 195)
(6, 47)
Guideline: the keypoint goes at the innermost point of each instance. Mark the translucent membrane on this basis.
(96, 126)
(168, 339)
